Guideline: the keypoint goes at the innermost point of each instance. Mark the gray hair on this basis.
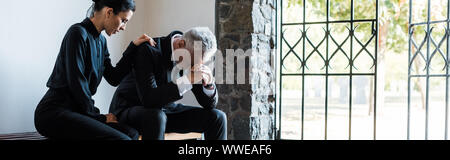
(207, 39)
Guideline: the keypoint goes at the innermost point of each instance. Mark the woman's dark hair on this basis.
(117, 5)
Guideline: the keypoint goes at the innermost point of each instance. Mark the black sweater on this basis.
(82, 62)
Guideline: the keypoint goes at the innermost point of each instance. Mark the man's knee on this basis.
(134, 135)
(219, 116)
(155, 115)
(122, 138)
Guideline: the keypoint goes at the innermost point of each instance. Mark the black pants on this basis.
(153, 123)
(55, 120)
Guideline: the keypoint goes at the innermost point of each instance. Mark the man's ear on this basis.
(109, 12)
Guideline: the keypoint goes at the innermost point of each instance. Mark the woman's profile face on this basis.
(115, 23)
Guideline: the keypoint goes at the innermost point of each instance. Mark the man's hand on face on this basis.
(207, 76)
(201, 73)
(195, 76)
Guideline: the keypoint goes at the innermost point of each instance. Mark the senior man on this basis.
(145, 99)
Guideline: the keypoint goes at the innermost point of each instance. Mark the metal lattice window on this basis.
(316, 55)
(428, 62)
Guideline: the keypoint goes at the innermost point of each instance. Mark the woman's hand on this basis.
(144, 38)
(111, 118)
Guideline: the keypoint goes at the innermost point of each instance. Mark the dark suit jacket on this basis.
(150, 84)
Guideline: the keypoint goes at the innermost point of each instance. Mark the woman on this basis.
(67, 110)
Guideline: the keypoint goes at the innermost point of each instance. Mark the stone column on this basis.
(248, 24)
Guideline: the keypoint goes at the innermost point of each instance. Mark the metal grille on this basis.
(349, 49)
(427, 50)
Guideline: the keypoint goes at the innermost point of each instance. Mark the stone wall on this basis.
(248, 24)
